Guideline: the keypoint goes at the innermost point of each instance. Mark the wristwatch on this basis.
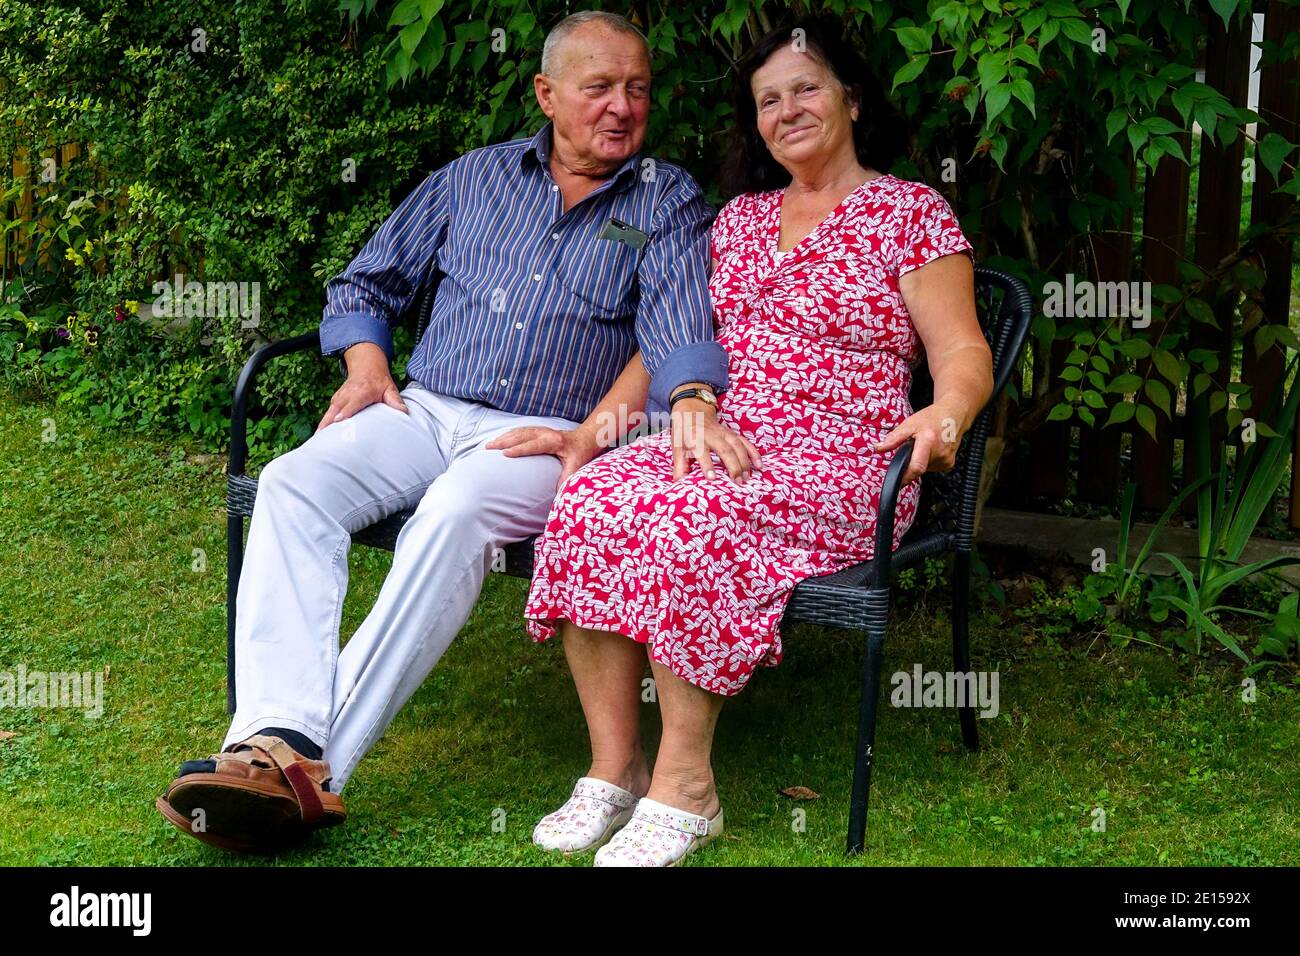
(703, 394)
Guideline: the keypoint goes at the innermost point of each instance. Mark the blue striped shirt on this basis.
(535, 313)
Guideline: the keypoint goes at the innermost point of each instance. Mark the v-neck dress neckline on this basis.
(774, 232)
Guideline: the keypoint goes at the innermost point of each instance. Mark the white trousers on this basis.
(469, 502)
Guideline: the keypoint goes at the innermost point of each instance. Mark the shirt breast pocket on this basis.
(601, 276)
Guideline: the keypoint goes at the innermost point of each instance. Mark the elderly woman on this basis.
(825, 272)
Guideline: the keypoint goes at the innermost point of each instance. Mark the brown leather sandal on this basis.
(263, 797)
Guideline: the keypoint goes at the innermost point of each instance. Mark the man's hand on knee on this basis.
(369, 382)
(573, 447)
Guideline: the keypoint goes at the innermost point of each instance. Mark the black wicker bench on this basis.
(857, 597)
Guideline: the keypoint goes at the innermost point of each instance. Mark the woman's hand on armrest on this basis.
(938, 431)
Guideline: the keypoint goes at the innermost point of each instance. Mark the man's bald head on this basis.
(554, 50)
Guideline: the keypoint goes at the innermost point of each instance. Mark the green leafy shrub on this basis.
(262, 148)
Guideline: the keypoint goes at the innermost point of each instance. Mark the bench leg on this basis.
(878, 620)
(234, 565)
(961, 641)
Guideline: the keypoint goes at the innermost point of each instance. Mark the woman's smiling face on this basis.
(804, 113)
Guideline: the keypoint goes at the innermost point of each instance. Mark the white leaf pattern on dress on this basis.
(821, 353)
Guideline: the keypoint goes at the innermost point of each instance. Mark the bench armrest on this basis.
(239, 406)
(882, 559)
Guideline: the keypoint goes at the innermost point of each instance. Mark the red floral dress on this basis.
(821, 353)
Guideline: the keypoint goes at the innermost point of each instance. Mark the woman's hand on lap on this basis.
(697, 433)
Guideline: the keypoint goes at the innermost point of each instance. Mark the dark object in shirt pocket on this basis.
(616, 230)
(603, 278)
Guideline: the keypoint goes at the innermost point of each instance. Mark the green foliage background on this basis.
(224, 165)
(226, 162)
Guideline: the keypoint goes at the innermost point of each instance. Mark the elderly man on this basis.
(556, 258)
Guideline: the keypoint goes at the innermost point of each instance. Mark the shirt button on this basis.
(554, 188)
(555, 235)
(505, 381)
(537, 277)
(519, 325)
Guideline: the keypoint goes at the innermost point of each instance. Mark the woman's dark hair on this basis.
(879, 134)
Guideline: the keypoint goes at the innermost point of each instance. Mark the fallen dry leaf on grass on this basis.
(799, 793)
(6, 734)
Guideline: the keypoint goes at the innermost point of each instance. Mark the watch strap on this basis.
(693, 393)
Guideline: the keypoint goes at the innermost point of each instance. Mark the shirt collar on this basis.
(539, 151)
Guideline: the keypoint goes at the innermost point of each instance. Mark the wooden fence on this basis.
(1064, 460)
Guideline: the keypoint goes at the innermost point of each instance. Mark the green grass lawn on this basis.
(98, 570)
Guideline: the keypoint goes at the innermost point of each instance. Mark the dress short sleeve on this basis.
(928, 230)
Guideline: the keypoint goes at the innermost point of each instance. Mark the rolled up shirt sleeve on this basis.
(379, 285)
(674, 324)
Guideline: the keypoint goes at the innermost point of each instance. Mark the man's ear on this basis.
(542, 88)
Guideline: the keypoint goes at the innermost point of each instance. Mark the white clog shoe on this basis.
(659, 835)
(588, 818)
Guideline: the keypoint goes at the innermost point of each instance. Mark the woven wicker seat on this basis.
(857, 597)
